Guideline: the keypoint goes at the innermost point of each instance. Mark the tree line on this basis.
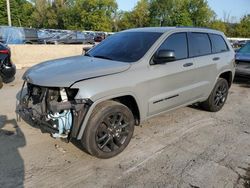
(103, 15)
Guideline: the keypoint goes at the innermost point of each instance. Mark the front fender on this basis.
(95, 103)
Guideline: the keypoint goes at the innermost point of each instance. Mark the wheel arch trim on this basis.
(95, 103)
(226, 71)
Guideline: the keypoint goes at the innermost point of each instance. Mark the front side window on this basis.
(199, 44)
(125, 46)
(218, 43)
(178, 43)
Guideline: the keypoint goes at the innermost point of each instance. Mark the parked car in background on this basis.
(100, 36)
(76, 37)
(18, 35)
(90, 34)
(30, 36)
(7, 68)
(44, 35)
(129, 77)
(242, 59)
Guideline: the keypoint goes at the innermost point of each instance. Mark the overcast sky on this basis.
(234, 8)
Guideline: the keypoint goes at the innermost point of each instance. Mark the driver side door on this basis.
(172, 83)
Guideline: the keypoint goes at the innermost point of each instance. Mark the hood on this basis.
(65, 72)
(242, 56)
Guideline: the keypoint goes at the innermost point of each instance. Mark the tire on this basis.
(218, 96)
(8, 80)
(109, 130)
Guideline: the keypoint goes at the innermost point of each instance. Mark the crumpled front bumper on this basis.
(32, 115)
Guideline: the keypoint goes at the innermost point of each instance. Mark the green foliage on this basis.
(180, 12)
(243, 28)
(97, 14)
(20, 12)
(218, 25)
(231, 31)
(140, 14)
(199, 12)
(3, 13)
(124, 20)
(161, 12)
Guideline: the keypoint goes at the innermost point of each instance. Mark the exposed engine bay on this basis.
(55, 109)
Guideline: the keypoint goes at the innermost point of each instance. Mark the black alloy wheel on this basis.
(218, 96)
(109, 130)
(221, 95)
(112, 132)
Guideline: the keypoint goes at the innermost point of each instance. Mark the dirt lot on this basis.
(184, 148)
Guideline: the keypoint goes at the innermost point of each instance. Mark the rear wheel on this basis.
(218, 96)
(109, 130)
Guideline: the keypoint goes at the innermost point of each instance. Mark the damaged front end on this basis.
(55, 109)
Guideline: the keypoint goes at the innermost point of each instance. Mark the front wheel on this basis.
(109, 130)
(218, 96)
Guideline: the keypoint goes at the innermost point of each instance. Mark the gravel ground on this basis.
(187, 147)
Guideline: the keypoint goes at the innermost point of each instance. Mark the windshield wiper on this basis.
(102, 57)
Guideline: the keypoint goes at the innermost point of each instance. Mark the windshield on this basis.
(245, 49)
(125, 46)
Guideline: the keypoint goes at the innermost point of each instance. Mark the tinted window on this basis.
(245, 49)
(199, 44)
(178, 43)
(218, 43)
(125, 46)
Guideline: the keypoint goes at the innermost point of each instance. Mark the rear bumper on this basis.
(242, 72)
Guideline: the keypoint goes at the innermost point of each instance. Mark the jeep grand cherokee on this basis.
(128, 78)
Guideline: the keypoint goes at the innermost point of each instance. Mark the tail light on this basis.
(4, 51)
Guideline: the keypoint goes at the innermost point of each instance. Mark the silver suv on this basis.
(128, 78)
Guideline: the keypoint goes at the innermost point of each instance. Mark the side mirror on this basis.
(164, 56)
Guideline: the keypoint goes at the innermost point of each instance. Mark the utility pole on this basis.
(8, 12)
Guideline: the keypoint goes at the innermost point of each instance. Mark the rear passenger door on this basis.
(200, 49)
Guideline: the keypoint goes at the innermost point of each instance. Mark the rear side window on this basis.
(218, 43)
(199, 44)
(178, 43)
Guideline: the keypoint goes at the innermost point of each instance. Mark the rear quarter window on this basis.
(199, 44)
(218, 43)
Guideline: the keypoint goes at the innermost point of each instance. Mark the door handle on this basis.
(188, 64)
(216, 58)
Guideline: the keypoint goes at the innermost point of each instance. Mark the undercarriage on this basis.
(54, 109)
